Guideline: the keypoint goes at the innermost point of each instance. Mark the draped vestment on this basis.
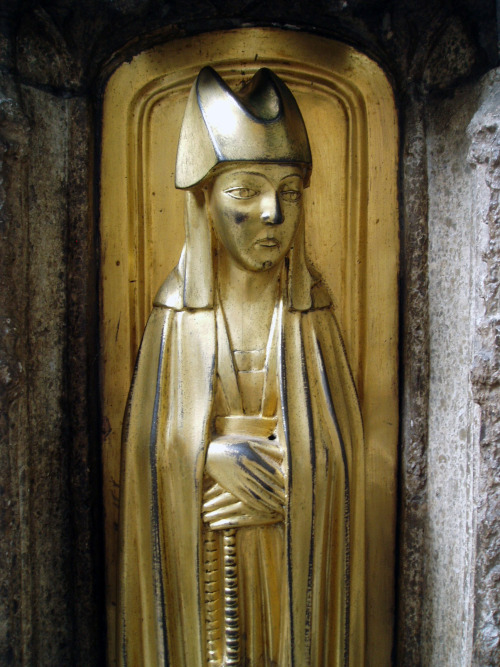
(321, 547)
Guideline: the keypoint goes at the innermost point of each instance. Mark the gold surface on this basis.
(351, 237)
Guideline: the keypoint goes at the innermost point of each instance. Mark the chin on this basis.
(264, 263)
(261, 265)
(268, 265)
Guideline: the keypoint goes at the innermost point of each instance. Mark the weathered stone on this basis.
(453, 58)
(43, 55)
(82, 366)
(62, 43)
(484, 156)
(14, 135)
(49, 549)
(460, 532)
(453, 418)
(415, 361)
(49, 506)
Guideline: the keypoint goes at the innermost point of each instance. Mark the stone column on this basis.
(51, 536)
(484, 158)
(462, 528)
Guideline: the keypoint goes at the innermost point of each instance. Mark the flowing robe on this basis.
(167, 430)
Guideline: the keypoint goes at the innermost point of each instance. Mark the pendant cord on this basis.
(212, 598)
(231, 612)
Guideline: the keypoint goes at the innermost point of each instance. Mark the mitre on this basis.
(260, 123)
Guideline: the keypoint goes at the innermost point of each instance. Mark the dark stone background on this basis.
(66, 46)
(55, 58)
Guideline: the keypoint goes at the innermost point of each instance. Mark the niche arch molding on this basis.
(351, 237)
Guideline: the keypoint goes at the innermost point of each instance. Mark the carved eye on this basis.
(241, 193)
(291, 195)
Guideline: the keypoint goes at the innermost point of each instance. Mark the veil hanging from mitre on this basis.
(260, 123)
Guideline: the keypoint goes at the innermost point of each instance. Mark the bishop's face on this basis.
(255, 209)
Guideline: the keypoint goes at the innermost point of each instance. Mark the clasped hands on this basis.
(249, 487)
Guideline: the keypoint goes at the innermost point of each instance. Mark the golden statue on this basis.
(242, 501)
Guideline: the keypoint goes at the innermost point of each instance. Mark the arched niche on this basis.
(351, 236)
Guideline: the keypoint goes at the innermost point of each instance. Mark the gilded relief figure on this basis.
(242, 494)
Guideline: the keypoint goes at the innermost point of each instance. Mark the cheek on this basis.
(233, 215)
(240, 217)
(231, 231)
(293, 220)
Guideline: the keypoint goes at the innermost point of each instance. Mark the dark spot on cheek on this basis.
(240, 217)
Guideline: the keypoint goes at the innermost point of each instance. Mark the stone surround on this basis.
(55, 58)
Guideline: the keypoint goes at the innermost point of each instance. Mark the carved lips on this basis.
(268, 243)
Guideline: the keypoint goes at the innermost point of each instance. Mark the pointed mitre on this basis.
(260, 123)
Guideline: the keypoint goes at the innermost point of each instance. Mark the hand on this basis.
(249, 470)
(222, 510)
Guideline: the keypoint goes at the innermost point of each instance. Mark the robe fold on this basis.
(166, 434)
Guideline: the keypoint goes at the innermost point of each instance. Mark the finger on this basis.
(213, 491)
(255, 492)
(275, 482)
(245, 520)
(269, 448)
(237, 508)
(224, 512)
(221, 500)
(260, 492)
(268, 481)
(269, 465)
(249, 490)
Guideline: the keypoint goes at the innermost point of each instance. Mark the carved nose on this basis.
(272, 214)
